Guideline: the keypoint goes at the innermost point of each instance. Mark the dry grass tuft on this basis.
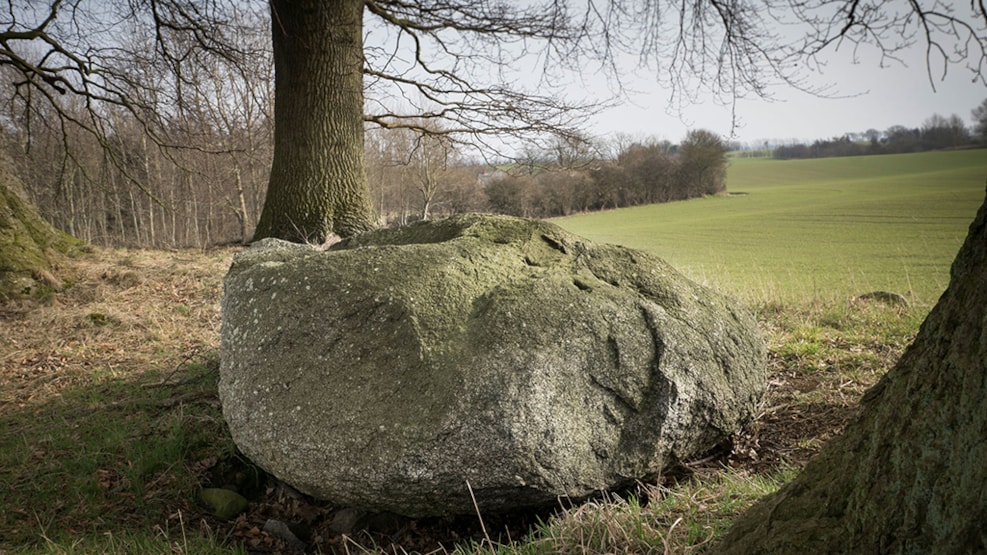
(123, 313)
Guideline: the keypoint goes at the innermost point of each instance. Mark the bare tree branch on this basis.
(485, 68)
(450, 62)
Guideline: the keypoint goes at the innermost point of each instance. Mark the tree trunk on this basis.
(240, 210)
(318, 183)
(910, 476)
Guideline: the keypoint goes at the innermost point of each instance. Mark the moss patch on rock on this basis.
(30, 248)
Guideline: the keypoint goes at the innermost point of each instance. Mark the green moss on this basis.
(99, 319)
(223, 503)
(29, 248)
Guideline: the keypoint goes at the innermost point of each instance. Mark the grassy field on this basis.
(822, 229)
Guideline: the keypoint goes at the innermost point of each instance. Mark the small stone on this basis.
(346, 520)
(224, 503)
(281, 530)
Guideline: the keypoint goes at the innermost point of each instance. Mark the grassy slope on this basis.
(824, 229)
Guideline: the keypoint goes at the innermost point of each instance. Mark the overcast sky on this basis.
(873, 98)
(860, 95)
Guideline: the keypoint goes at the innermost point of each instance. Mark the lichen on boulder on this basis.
(399, 366)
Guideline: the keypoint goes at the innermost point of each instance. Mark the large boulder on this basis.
(403, 368)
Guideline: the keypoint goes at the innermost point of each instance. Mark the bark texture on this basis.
(911, 475)
(318, 182)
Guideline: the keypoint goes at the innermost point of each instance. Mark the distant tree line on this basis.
(936, 133)
(640, 172)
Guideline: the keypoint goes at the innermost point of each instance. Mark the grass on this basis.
(684, 518)
(825, 229)
(110, 423)
(108, 408)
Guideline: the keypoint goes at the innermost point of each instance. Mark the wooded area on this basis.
(206, 185)
(147, 196)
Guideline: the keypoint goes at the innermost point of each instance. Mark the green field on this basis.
(823, 229)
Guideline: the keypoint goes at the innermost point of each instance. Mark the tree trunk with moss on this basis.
(30, 247)
(318, 183)
(910, 476)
